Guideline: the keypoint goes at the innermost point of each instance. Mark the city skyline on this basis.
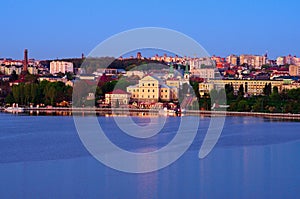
(67, 29)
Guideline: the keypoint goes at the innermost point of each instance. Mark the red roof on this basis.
(118, 91)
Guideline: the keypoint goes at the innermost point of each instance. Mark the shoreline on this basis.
(289, 116)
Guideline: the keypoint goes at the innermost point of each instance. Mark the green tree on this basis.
(267, 89)
(241, 91)
(9, 99)
(14, 76)
(243, 106)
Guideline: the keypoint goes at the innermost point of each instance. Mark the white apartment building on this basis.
(61, 66)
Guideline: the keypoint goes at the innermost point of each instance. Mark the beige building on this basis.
(61, 66)
(206, 73)
(251, 87)
(294, 70)
(32, 70)
(232, 60)
(253, 60)
(117, 97)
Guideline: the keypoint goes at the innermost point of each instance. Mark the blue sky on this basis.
(51, 29)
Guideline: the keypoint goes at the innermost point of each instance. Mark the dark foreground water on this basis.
(43, 157)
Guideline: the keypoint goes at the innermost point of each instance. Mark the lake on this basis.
(43, 157)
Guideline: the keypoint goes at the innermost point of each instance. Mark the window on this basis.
(153, 90)
(166, 91)
(143, 90)
(149, 84)
(166, 96)
(148, 96)
(148, 90)
(153, 96)
(152, 84)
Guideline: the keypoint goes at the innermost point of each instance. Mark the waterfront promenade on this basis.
(159, 112)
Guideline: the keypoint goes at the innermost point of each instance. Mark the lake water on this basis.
(43, 157)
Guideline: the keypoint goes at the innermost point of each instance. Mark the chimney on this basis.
(25, 62)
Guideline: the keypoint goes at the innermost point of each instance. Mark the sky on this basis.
(64, 29)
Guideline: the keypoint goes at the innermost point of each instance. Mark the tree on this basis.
(9, 99)
(267, 89)
(242, 106)
(14, 76)
(70, 75)
(241, 91)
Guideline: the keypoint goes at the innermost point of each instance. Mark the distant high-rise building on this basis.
(253, 60)
(25, 62)
(233, 60)
(61, 66)
(294, 70)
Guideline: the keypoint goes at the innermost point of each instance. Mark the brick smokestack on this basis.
(25, 64)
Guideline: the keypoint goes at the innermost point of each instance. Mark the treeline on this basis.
(45, 92)
(92, 64)
(271, 101)
(287, 101)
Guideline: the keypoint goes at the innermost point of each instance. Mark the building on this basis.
(117, 98)
(151, 89)
(253, 60)
(291, 85)
(205, 88)
(32, 70)
(61, 66)
(205, 73)
(251, 87)
(197, 63)
(8, 70)
(288, 60)
(233, 60)
(294, 70)
(280, 61)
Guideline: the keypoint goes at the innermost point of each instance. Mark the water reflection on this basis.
(254, 159)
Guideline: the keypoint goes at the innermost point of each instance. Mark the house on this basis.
(117, 98)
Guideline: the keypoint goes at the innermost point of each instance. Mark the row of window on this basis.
(136, 96)
(148, 84)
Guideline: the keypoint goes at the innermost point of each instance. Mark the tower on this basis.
(171, 71)
(139, 55)
(25, 61)
(186, 72)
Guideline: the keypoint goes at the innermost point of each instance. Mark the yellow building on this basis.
(149, 89)
(152, 89)
(205, 88)
(290, 86)
(251, 87)
(134, 90)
